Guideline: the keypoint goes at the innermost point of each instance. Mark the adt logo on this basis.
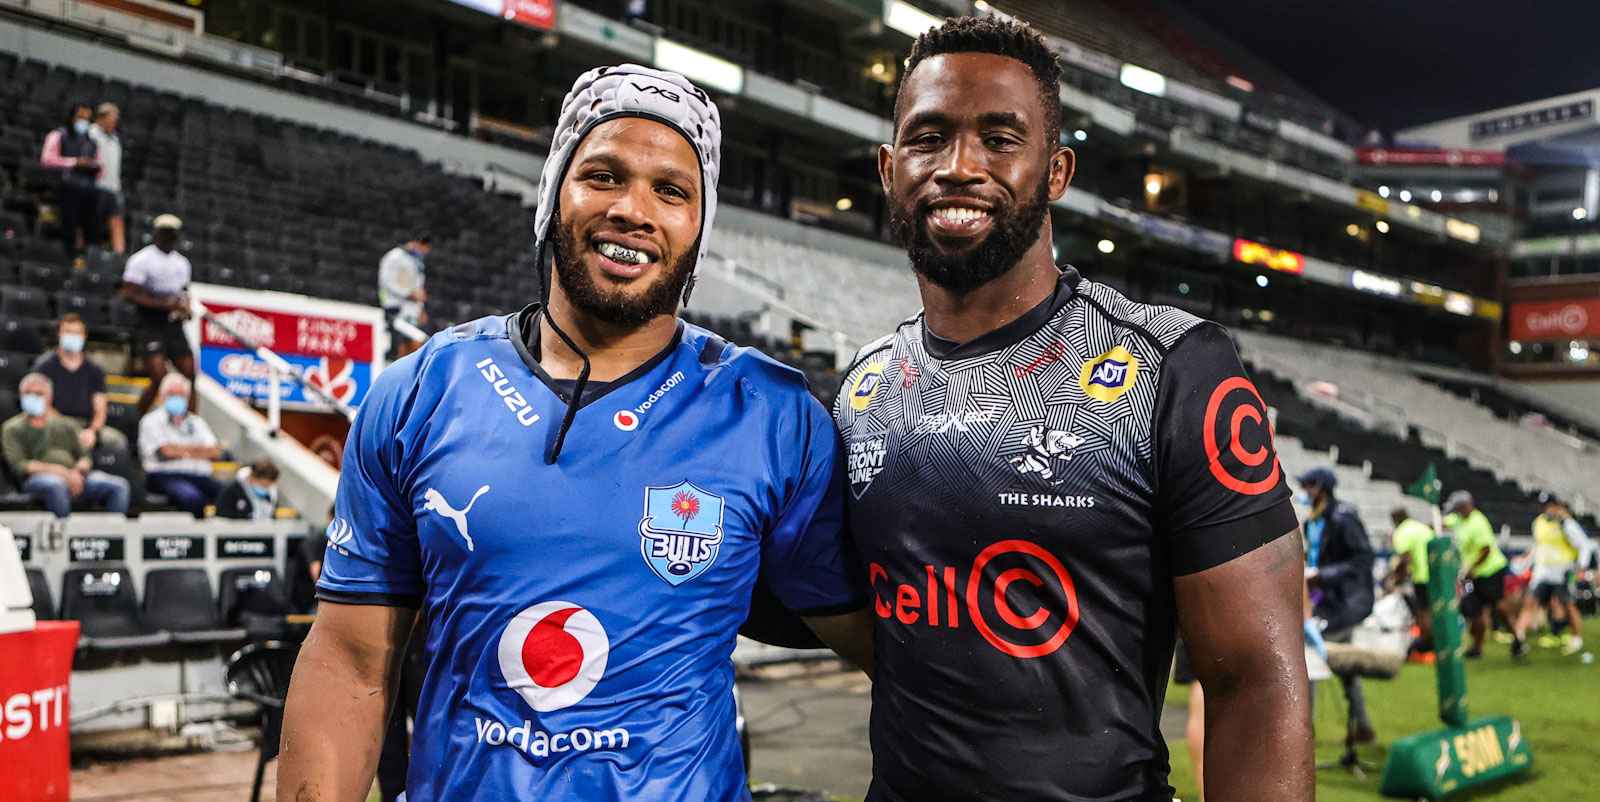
(681, 531)
(1108, 376)
(553, 654)
(866, 386)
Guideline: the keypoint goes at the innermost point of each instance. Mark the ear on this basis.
(886, 168)
(1062, 164)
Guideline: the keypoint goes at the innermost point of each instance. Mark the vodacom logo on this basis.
(1018, 596)
(553, 654)
(1232, 401)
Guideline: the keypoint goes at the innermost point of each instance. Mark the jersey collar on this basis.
(523, 330)
(1011, 333)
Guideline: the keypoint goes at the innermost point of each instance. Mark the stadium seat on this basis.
(260, 673)
(92, 308)
(43, 606)
(103, 602)
(20, 336)
(179, 601)
(24, 302)
(47, 276)
(254, 598)
(13, 366)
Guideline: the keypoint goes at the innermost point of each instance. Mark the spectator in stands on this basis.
(178, 447)
(1560, 549)
(1339, 575)
(80, 386)
(104, 134)
(254, 495)
(42, 448)
(1409, 572)
(401, 290)
(156, 282)
(70, 150)
(1486, 569)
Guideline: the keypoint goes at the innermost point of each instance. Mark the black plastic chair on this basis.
(260, 673)
(44, 608)
(102, 601)
(179, 600)
(254, 598)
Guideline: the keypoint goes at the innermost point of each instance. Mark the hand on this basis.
(74, 482)
(87, 437)
(420, 296)
(85, 161)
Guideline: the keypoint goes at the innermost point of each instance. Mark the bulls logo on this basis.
(553, 654)
(681, 531)
(1108, 376)
(1238, 438)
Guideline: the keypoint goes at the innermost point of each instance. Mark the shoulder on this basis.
(756, 371)
(462, 342)
(153, 419)
(1161, 326)
(48, 362)
(12, 423)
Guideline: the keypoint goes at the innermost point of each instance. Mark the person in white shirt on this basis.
(104, 134)
(401, 292)
(177, 448)
(156, 282)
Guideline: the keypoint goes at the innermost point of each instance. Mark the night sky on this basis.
(1397, 63)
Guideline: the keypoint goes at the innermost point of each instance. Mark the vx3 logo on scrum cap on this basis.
(553, 654)
(436, 503)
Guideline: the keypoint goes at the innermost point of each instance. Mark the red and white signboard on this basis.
(1432, 157)
(539, 14)
(35, 711)
(1556, 320)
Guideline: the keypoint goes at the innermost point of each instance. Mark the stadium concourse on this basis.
(1406, 312)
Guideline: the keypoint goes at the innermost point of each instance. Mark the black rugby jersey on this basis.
(1021, 503)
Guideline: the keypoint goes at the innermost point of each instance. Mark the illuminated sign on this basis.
(1535, 118)
(1458, 302)
(1143, 80)
(908, 19)
(539, 14)
(1556, 320)
(703, 68)
(1376, 284)
(1463, 231)
(1254, 253)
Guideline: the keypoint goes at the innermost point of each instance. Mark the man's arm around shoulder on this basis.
(1242, 624)
(344, 681)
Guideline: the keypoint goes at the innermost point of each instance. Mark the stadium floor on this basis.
(808, 728)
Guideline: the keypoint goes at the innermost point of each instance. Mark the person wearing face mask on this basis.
(1339, 576)
(42, 448)
(80, 386)
(177, 448)
(70, 150)
(112, 203)
(254, 496)
(401, 290)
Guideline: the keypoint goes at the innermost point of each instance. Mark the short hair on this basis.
(264, 468)
(37, 378)
(105, 110)
(999, 37)
(70, 317)
(173, 380)
(1399, 514)
(72, 112)
(423, 237)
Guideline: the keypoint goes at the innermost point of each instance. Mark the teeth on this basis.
(959, 214)
(617, 253)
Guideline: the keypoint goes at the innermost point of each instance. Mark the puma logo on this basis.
(436, 503)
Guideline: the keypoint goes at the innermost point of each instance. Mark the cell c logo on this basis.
(553, 654)
(1246, 458)
(1041, 620)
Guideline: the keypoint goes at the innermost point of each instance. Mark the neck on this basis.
(70, 359)
(39, 420)
(963, 316)
(613, 350)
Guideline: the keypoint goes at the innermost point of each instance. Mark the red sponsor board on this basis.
(287, 333)
(1555, 320)
(1431, 157)
(533, 13)
(35, 711)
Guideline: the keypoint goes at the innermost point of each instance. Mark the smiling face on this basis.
(972, 167)
(627, 235)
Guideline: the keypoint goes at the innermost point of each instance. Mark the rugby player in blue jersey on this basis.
(1047, 479)
(579, 498)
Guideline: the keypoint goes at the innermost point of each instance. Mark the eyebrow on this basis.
(616, 162)
(988, 119)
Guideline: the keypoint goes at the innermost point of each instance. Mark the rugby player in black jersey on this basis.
(1047, 479)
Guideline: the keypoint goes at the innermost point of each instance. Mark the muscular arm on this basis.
(339, 701)
(1242, 626)
(848, 635)
(135, 294)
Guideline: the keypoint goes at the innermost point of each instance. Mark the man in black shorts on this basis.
(156, 282)
(1047, 479)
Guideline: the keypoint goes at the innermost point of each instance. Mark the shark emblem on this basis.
(436, 503)
(1042, 448)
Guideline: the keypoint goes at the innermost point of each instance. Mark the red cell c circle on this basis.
(1069, 620)
(1213, 453)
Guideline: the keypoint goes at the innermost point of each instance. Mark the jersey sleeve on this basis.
(805, 557)
(373, 555)
(136, 271)
(1220, 491)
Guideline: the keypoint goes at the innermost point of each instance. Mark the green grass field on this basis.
(1555, 698)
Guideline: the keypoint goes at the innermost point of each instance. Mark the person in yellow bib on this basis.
(1485, 566)
(1411, 538)
(1560, 548)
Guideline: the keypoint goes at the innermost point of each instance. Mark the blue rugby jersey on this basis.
(582, 614)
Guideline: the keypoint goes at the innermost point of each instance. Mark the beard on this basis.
(1016, 229)
(616, 305)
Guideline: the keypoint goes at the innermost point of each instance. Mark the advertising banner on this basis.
(35, 691)
(1556, 320)
(539, 14)
(337, 346)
